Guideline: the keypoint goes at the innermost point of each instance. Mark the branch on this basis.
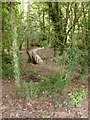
(74, 23)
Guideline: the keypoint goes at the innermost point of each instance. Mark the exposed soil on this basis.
(16, 106)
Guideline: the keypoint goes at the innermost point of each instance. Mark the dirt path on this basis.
(16, 106)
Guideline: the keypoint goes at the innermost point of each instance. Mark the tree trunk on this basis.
(56, 17)
(49, 27)
(66, 23)
(43, 29)
(84, 29)
(88, 38)
(15, 47)
(26, 39)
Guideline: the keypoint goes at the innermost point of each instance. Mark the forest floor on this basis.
(16, 106)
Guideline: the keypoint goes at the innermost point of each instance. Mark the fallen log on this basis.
(34, 57)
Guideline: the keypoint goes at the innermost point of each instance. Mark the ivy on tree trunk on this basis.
(15, 46)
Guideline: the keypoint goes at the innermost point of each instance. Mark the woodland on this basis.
(45, 61)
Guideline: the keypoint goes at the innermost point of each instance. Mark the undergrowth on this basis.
(78, 97)
(74, 62)
(7, 67)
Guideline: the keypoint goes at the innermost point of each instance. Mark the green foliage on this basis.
(75, 62)
(78, 97)
(54, 41)
(49, 85)
(7, 67)
(7, 71)
(71, 63)
(22, 65)
(30, 89)
(44, 44)
(34, 88)
(31, 73)
(25, 90)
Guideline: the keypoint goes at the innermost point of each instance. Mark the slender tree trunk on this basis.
(43, 26)
(84, 31)
(3, 24)
(66, 23)
(74, 21)
(88, 39)
(27, 40)
(49, 27)
(15, 47)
